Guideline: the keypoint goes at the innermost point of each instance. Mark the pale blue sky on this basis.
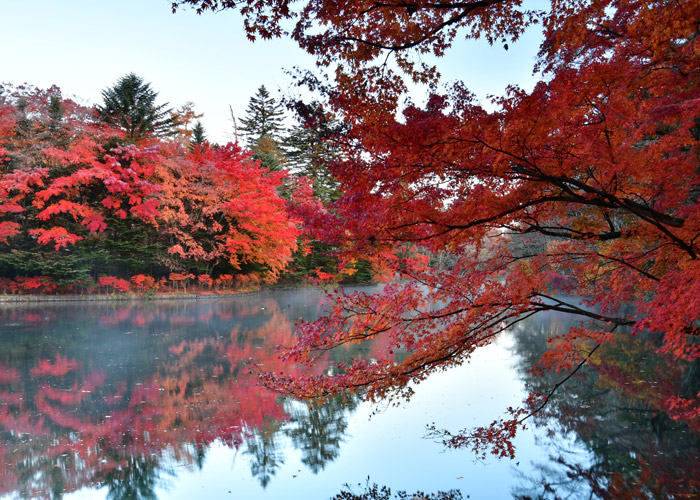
(84, 46)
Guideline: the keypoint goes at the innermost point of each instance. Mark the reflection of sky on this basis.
(389, 446)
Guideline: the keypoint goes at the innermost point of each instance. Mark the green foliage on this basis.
(198, 135)
(65, 268)
(131, 105)
(321, 257)
(305, 262)
(263, 119)
(311, 147)
(268, 152)
(308, 154)
(263, 128)
(128, 248)
(55, 109)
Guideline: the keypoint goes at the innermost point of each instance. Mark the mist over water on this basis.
(158, 400)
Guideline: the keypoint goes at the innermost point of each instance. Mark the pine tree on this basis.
(131, 105)
(312, 145)
(263, 118)
(308, 154)
(263, 128)
(198, 135)
(57, 131)
(55, 108)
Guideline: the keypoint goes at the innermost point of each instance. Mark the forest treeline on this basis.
(130, 195)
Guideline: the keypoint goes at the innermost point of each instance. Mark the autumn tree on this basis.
(218, 206)
(131, 105)
(50, 171)
(601, 157)
(75, 205)
(184, 123)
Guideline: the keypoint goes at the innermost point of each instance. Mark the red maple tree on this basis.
(598, 166)
(220, 205)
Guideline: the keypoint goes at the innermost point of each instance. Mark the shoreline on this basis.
(131, 297)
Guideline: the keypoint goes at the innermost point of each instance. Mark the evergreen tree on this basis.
(57, 132)
(198, 135)
(263, 118)
(131, 105)
(308, 154)
(263, 128)
(312, 145)
(55, 108)
(269, 153)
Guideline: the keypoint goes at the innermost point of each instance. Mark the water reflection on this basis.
(136, 478)
(263, 448)
(607, 429)
(317, 430)
(128, 397)
(114, 395)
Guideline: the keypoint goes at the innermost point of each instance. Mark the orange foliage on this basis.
(205, 279)
(223, 193)
(117, 284)
(143, 282)
(61, 188)
(224, 281)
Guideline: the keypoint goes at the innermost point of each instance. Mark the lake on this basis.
(159, 400)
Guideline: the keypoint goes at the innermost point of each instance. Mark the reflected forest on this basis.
(119, 395)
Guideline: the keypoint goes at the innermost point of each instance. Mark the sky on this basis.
(85, 46)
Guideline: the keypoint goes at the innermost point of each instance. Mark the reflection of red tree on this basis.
(8, 375)
(118, 315)
(85, 423)
(655, 480)
(58, 369)
(647, 379)
(33, 318)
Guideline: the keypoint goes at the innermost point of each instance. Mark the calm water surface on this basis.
(156, 400)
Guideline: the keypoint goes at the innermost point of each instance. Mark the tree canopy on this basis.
(599, 161)
(76, 204)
